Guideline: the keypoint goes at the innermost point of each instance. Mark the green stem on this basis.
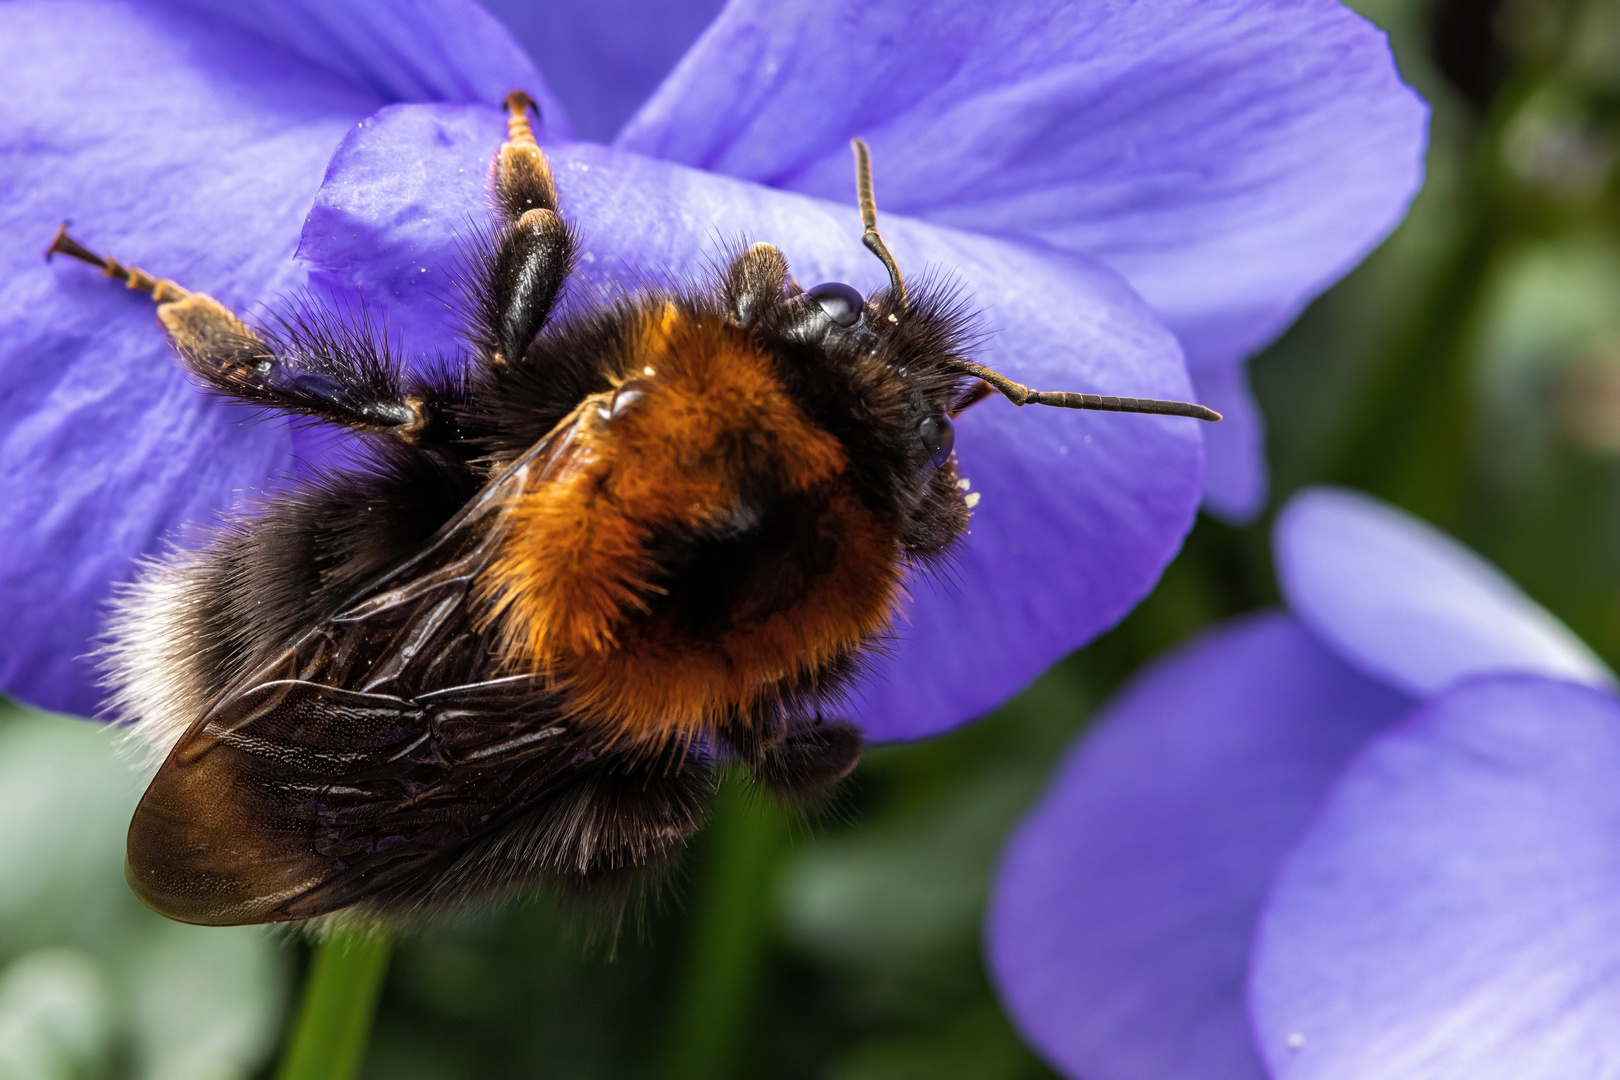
(1409, 442)
(713, 1003)
(328, 1039)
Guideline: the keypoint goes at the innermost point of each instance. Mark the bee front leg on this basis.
(327, 383)
(753, 282)
(533, 249)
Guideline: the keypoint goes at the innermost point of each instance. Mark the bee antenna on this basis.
(1019, 394)
(874, 243)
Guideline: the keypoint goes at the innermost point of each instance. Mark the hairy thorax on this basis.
(693, 547)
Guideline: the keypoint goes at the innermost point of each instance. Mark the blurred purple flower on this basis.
(1372, 837)
(1227, 158)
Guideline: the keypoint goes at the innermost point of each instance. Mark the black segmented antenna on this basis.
(1019, 394)
(874, 242)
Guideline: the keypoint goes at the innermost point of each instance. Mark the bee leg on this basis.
(523, 180)
(533, 250)
(226, 354)
(753, 282)
(801, 759)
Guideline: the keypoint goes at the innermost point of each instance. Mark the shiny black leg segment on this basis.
(318, 365)
(521, 277)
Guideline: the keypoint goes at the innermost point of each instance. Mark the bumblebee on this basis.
(509, 644)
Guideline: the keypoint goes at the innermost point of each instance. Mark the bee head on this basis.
(881, 373)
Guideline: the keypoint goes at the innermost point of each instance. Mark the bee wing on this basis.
(377, 745)
(298, 798)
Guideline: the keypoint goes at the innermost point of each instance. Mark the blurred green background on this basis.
(1469, 370)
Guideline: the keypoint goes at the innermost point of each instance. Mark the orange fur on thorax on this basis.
(573, 579)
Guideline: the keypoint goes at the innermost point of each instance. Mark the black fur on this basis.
(600, 835)
(301, 555)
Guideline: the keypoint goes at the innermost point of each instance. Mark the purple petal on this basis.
(1454, 912)
(1122, 914)
(1090, 506)
(604, 57)
(406, 50)
(184, 147)
(1231, 158)
(1403, 602)
(1235, 448)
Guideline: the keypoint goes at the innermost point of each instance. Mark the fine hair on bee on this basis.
(510, 643)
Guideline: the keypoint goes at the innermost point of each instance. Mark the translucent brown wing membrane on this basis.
(382, 758)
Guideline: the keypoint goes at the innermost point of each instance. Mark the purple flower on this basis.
(1371, 837)
(1226, 159)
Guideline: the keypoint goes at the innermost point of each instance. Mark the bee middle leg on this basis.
(329, 380)
(533, 249)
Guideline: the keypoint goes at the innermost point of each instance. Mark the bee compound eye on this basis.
(938, 437)
(841, 303)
